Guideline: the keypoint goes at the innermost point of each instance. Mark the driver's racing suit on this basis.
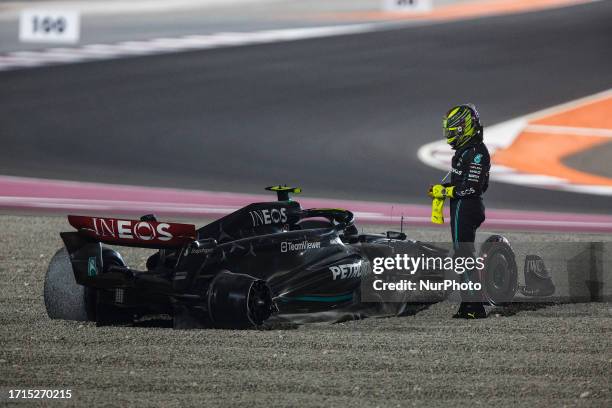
(470, 179)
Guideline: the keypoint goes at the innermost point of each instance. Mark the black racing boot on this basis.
(470, 310)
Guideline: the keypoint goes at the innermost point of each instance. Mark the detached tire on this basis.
(64, 298)
(500, 275)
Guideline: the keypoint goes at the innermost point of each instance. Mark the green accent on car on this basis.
(92, 267)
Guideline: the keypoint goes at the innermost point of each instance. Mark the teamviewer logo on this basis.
(283, 246)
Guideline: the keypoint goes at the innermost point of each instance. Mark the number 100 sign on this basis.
(55, 26)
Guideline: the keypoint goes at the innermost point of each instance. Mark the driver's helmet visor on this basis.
(452, 133)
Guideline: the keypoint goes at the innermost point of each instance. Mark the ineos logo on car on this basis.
(134, 232)
(268, 216)
(125, 229)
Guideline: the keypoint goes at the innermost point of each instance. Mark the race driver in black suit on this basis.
(469, 181)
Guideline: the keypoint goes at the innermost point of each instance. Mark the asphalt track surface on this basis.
(558, 355)
(340, 117)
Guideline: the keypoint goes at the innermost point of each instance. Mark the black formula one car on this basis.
(264, 260)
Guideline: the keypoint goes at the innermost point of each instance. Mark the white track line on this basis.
(569, 130)
(564, 107)
(50, 56)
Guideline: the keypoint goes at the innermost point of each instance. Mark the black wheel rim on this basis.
(260, 303)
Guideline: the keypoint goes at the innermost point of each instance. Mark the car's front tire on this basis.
(500, 275)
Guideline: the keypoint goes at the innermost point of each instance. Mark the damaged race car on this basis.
(264, 260)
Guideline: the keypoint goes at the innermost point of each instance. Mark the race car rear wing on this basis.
(86, 252)
(135, 233)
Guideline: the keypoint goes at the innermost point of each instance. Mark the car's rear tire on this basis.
(238, 301)
(64, 298)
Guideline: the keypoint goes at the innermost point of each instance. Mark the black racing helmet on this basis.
(461, 125)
